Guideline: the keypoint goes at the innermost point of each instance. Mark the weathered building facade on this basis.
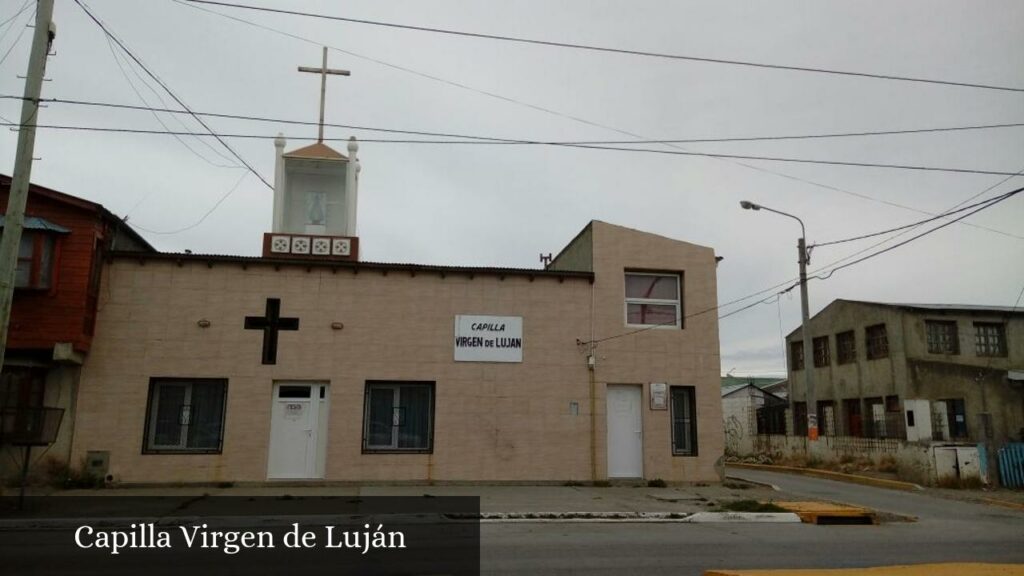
(595, 367)
(53, 316)
(913, 371)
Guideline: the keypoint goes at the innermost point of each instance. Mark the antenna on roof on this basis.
(545, 259)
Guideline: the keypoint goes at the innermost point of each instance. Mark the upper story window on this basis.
(653, 299)
(877, 341)
(796, 355)
(35, 261)
(821, 351)
(846, 347)
(990, 338)
(942, 337)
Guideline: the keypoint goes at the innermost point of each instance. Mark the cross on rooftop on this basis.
(323, 71)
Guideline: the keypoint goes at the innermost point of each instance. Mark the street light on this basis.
(804, 257)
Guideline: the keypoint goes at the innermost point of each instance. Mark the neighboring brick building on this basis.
(919, 372)
(53, 316)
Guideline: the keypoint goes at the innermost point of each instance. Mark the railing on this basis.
(29, 426)
(1011, 465)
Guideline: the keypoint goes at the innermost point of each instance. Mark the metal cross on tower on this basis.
(323, 71)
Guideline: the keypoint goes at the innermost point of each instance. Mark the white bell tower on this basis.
(316, 190)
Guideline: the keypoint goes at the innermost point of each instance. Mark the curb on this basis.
(943, 569)
(829, 475)
(108, 523)
(757, 482)
(749, 517)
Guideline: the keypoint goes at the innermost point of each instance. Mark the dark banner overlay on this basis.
(199, 535)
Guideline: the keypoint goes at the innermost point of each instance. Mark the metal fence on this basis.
(1011, 465)
(29, 426)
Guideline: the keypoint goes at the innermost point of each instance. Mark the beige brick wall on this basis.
(493, 422)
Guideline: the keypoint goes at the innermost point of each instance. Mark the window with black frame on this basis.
(942, 337)
(684, 421)
(399, 417)
(990, 338)
(185, 415)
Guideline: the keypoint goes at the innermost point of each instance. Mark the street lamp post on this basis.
(812, 405)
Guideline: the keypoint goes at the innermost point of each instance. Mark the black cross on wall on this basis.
(271, 323)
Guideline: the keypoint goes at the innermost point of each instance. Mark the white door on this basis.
(967, 462)
(298, 430)
(625, 433)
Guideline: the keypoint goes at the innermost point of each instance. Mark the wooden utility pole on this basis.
(323, 71)
(14, 219)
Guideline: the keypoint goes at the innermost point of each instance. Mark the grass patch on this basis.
(750, 506)
(656, 483)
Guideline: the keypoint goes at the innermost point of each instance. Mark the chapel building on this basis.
(308, 363)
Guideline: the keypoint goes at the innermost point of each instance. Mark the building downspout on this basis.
(591, 368)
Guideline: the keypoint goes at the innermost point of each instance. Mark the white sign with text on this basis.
(488, 339)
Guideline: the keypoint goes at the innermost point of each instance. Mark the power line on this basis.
(201, 219)
(989, 204)
(17, 13)
(584, 121)
(904, 227)
(792, 284)
(170, 92)
(20, 34)
(500, 140)
(606, 49)
(219, 137)
(156, 116)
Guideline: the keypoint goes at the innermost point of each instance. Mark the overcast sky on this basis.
(504, 205)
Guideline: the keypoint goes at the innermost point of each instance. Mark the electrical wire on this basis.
(15, 15)
(125, 49)
(219, 137)
(904, 227)
(574, 118)
(606, 49)
(499, 140)
(988, 204)
(17, 38)
(470, 139)
(156, 116)
(201, 219)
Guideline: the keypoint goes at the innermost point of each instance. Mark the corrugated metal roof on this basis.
(37, 223)
(357, 265)
(946, 307)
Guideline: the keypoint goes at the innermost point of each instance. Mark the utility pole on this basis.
(805, 326)
(14, 219)
(805, 310)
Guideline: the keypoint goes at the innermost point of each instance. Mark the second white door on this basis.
(625, 432)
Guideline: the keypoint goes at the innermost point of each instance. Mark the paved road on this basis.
(931, 511)
(947, 531)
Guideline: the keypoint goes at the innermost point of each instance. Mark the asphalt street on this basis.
(946, 531)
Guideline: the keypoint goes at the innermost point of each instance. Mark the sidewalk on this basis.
(496, 501)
